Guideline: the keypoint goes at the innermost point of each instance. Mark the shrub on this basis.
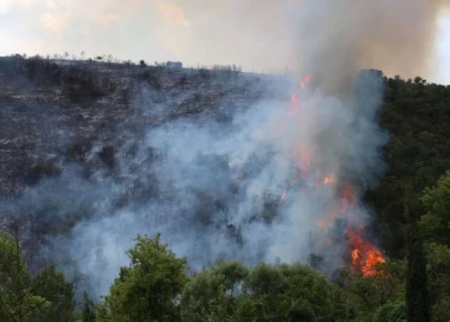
(41, 170)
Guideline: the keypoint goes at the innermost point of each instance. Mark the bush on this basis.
(153, 76)
(148, 289)
(78, 151)
(41, 170)
(85, 88)
(392, 312)
(107, 156)
(43, 71)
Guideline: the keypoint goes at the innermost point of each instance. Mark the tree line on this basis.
(156, 285)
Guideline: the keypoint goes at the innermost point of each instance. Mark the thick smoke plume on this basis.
(394, 36)
(261, 187)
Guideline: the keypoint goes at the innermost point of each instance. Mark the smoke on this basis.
(255, 188)
(250, 189)
(265, 35)
(396, 37)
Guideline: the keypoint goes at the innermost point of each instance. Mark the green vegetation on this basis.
(416, 115)
(147, 290)
(45, 296)
(41, 170)
(156, 286)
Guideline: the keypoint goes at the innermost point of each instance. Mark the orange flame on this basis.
(364, 255)
(347, 195)
(373, 258)
(294, 104)
(355, 255)
(305, 81)
(329, 179)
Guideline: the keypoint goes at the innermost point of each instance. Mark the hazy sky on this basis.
(192, 31)
(442, 61)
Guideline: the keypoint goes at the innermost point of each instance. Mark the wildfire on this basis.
(329, 179)
(283, 196)
(363, 255)
(294, 98)
(305, 81)
(294, 104)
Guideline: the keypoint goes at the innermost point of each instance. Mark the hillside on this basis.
(51, 107)
(82, 142)
(48, 105)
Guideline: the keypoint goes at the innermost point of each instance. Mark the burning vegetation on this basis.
(364, 256)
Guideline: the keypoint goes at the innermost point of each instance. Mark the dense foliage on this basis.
(45, 296)
(416, 116)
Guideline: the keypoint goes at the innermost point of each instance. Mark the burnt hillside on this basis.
(50, 110)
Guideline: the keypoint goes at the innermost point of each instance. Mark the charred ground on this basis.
(53, 110)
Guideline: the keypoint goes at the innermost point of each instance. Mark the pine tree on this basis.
(418, 308)
(88, 310)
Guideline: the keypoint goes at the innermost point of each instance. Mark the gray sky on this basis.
(442, 61)
(192, 31)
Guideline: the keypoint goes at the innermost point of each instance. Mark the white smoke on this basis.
(213, 189)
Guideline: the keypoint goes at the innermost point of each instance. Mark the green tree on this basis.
(149, 289)
(103, 312)
(18, 303)
(365, 294)
(416, 116)
(435, 228)
(418, 306)
(290, 293)
(213, 295)
(392, 312)
(439, 280)
(88, 311)
(435, 224)
(52, 285)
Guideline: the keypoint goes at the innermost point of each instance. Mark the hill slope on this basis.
(55, 113)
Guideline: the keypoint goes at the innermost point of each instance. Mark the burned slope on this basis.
(71, 135)
(52, 111)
